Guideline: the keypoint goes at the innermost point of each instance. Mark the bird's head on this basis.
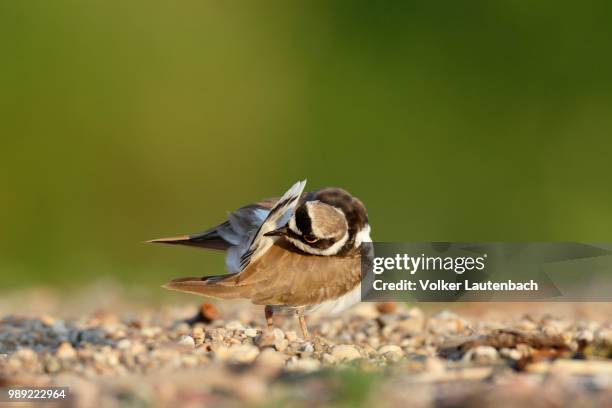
(316, 228)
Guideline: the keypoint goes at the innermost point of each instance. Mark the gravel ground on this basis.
(385, 354)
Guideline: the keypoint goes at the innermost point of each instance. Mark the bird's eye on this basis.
(311, 239)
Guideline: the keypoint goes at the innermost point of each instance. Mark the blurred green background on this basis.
(126, 121)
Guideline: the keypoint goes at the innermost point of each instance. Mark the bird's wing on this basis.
(210, 239)
(238, 230)
(278, 216)
(283, 276)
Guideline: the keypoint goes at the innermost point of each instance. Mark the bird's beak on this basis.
(282, 231)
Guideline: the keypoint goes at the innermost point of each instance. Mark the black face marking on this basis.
(303, 221)
(319, 244)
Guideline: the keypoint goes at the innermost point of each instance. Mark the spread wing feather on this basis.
(277, 217)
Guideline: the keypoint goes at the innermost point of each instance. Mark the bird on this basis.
(299, 253)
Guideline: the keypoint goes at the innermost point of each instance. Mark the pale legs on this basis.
(269, 312)
(302, 320)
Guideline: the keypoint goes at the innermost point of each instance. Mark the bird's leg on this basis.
(269, 313)
(302, 320)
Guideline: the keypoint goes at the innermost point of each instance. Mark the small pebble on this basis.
(150, 332)
(386, 307)
(482, 355)
(281, 345)
(328, 358)
(391, 348)
(187, 341)
(270, 362)
(47, 320)
(65, 351)
(234, 325)
(182, 328)
(242, 354)
(124, 344)
(59, 327)
(345, 352)
(304, 365)
(604, 337)
(585, 336)
(307, 347)
(52, 365)
(512, 354)
(269, 338)
(198, 335)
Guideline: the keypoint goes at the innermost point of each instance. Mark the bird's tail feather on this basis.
(207, 286)
(210, 239)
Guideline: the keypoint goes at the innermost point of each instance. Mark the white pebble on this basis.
(481, 355)
(585, 335)
(244, 353)
(291, 335)
(59, 327)
(391, 348)
(270, 361)
(278, 334)
(512, 354)
(604, 337)
(124, 344)
(281, 345)
(187, 341)
(305, 365)
(150, 331)
(328, 358)
(345, 352)
(307, 347)
(250, 332)
(234, 325)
